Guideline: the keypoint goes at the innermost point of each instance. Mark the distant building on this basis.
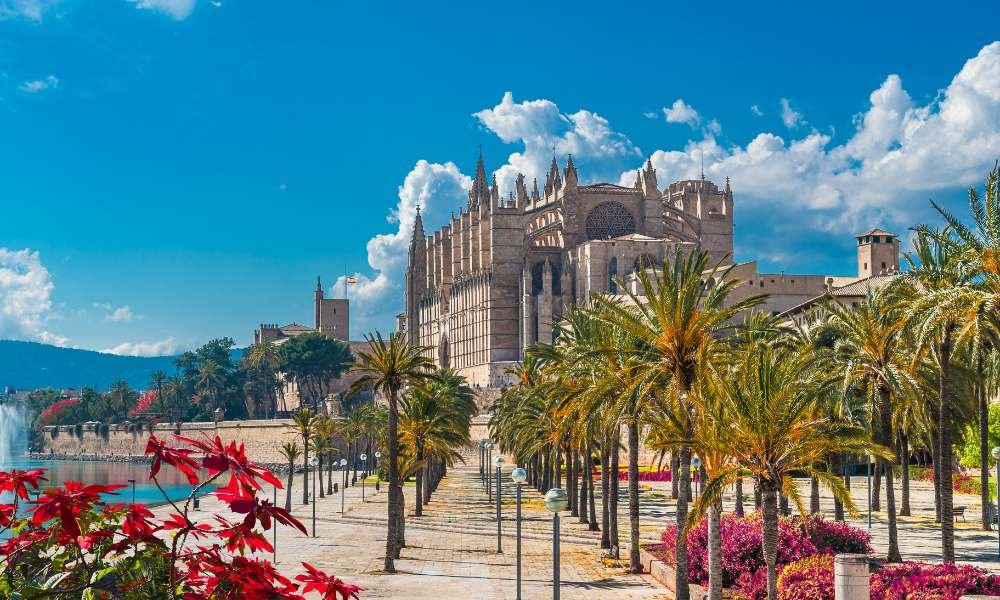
(332, 318)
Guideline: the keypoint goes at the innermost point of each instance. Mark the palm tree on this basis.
(210, 383)
(175, 389)
(672, 328)
(121, 395)
(969, 312)
(290, 451)
(875, 359)
(159, 380)
(768, 405)
(264, 359)
(386, 368)
(304, 423)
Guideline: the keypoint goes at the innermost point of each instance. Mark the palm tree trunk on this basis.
(674, 470)
(329, 475)
(984, 443)
(877, 482)
(319, 474)
(605, 493)
(936, 466)
(395, 489)
(715, 551)
(885, 412)
(613, 506)
(288, 488)
(574, 501)
(418, 509)
(582, 468)
(738, 509)
(681, 588)
(944, 432)
(758, 499)
(590, 486)
(433, 479)
(904, 469)
(557, 468)
(770, 537)
(305, 470)
(837, 464)
(635, 563)
(813, 496)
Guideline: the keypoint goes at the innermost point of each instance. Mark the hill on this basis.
(28, 366)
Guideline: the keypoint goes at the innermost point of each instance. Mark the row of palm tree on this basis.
(695, 371)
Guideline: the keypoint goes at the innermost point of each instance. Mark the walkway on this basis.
(451, 550)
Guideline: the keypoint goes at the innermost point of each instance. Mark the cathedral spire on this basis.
(534, 189)
(480, 191)
(418, 229)
(569, 175)
(319, 285)
(521, 197)
(649, 180)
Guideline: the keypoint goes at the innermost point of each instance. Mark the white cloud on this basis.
(176, 9)
(32, 10)
(789, 116)
(26, 297)
(757, 112)
(121, 314)
(681, 112)
(161, 348)
(40, 85)
(898, 156)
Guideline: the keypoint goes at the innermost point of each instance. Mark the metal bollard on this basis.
(850, 577)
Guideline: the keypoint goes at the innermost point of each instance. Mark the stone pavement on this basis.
(451, 550)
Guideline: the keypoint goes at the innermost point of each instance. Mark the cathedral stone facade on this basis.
(492, 281)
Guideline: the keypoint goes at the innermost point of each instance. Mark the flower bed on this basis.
(743, 564)
(812, 579)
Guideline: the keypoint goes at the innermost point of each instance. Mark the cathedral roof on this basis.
(604, 187)
(861, 286)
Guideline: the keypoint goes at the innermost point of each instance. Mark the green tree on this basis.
(386, 368)
(314, 361)
(121, 397)
(305, 423)
(291, 453)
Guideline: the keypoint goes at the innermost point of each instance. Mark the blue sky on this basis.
(177, 170)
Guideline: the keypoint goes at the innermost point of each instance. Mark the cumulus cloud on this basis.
(681, 112)
(165, 347)
(789, 116)
(40, 85)
(899, 154)
(32, 10)
(26, 297)
(176, 9)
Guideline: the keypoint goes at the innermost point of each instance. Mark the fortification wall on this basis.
(262, 438)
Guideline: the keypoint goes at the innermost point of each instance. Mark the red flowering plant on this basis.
(71, 542)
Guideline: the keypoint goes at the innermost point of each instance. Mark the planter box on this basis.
(666, 574)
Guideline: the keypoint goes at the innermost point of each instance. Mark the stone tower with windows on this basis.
(878, 253)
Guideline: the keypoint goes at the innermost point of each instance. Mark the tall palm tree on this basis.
(768, 403)
(265, 358)
(387, 367)
(211, 381)
(159, 380)
(672, 327)
(305, 423)
(875, 359)
(971, 309)
(290, 451)
(175, 390)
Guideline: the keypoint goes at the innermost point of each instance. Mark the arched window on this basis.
(613, 276)
(609, 220)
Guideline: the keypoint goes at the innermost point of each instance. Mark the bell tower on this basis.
(878, 253)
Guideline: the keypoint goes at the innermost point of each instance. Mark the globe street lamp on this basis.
(520, 477)
(313, 462)
(555, 500)
(498, 461)
(996, 458)
(364, 459)
(378, 472)
(696, 475)
(343, 492)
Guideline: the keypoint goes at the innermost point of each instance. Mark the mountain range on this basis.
(30, 365)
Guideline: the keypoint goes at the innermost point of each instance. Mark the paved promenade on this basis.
(451, 550)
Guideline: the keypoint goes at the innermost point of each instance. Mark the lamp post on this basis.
(343, 492)
(489, 478)
(520, 477)
(498, 461)
(274, 544)
(555, 500)
(996, 458)
(132, 481)
(696, 474)
(868, 469)
(313, 462)
(482, 451)
(378, 472)
(364, 474)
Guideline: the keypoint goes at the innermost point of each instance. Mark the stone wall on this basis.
(262, 438)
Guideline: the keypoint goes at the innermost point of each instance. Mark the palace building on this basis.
(493, 280)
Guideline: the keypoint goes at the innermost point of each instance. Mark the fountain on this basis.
(13, 433)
